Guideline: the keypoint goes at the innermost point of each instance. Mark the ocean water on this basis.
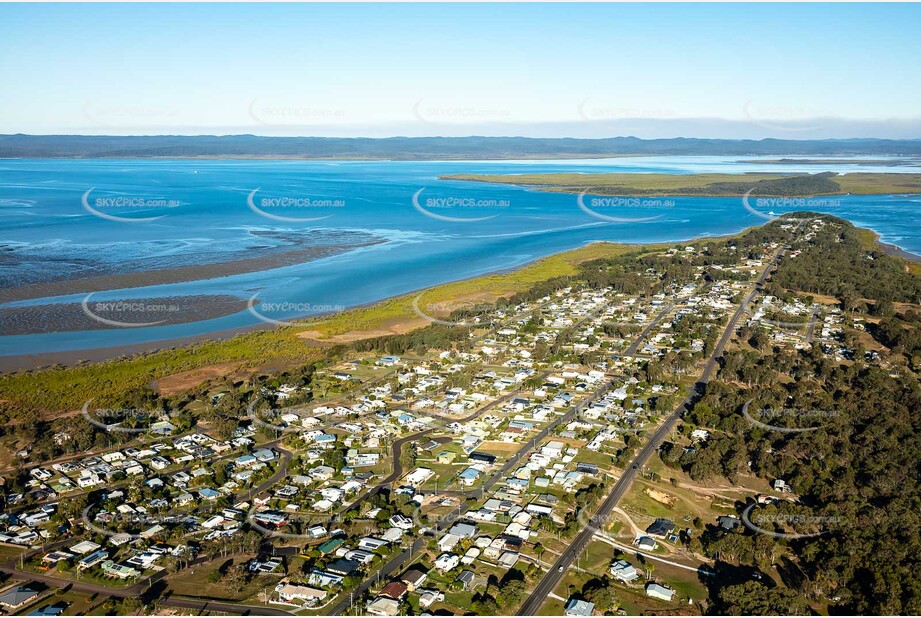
(151, 214)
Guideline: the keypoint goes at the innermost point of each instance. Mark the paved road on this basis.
(397, 447)
(810, 332)
(553, 577)
(700, 568)
(403, 559)
(636, 343)
(228, 608)
(138, 589)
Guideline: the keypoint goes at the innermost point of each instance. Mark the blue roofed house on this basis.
(578, 607)
(55, 609)
(326, 439)
(18, 596)
(209, 494)
(469, 476)
(517, 482)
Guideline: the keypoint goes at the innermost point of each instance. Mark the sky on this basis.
(543, 70)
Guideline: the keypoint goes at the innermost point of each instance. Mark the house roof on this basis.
(330, 545)
(17, 596)
(660, 527)
(466, 577)
(578, 607)
(659, 590)
(343, 566)
(55, 609)
(393, 590)
(383, 607)
(413, 576)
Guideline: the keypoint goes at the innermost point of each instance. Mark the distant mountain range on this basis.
(426, 148)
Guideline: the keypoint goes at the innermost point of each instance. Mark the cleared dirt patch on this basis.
(397, 327)
(659, 496)
(181, 382)
(571, 441)
(444, 308)
(500, 448)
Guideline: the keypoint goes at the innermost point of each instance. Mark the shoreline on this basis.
(256, 157)
(896, 251)
(178, 274)
(786, 185)
(69, 358)
(72, 358)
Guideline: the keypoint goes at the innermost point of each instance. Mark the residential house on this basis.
(659, 592)
(578, 607)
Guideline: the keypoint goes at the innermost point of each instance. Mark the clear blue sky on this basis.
(541, 69)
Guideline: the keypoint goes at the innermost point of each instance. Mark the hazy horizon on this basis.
(420, 70)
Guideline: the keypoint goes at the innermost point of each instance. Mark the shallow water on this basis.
(201, 212)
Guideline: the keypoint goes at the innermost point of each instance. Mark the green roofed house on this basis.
(330, 546)
(113, 569)
(446, 457)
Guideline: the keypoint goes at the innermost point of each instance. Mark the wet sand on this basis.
(897, 251)
(116, 313)
(180, 274)
(74, 357)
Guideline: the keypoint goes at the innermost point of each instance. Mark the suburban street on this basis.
(402, 560)
(556, 573)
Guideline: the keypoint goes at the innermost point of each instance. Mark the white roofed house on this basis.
(446, 562)
(298, 593)
(419, 476)
(657, 591)
(624, 571)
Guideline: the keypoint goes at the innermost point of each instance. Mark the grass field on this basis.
(690, 184)
(194, 583)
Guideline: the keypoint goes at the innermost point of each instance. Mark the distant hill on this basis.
(425, 148)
